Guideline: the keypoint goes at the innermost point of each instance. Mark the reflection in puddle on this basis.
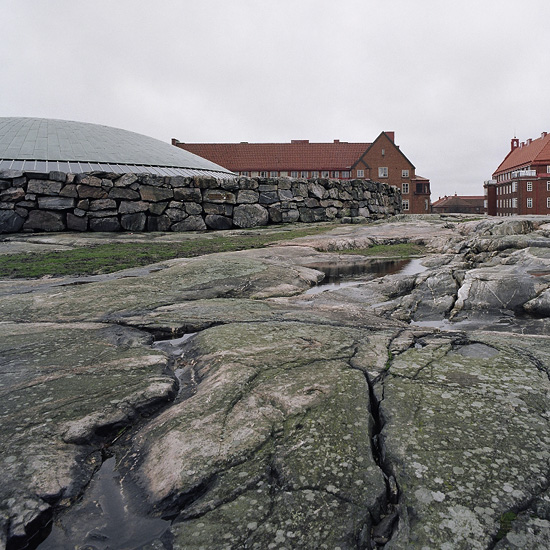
(104, 518)
(342, 275)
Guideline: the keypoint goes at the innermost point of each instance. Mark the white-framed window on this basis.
(382, 171)
(303, 174)
(515, 202)
(315, 174)
(404, 173)
(514, 186)
(294, 174)
(345, 174)
(548, 185)
(360, 173)
(263, 174)
(529, 202)
(405, 205)
(426, 205)
(529, 186)
(335, 174)
(324, 174)
(273, 174)
(548, 169)
(405, 188)
(547, 202)
(245, 173)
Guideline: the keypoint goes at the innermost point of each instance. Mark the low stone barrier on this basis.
(100, 201)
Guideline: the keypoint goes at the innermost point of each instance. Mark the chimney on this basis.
(175, 141)
(514, 144)
(544, 134)
(391, 135)
(529, 141)
(336, 141)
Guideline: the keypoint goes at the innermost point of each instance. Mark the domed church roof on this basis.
(43, 145)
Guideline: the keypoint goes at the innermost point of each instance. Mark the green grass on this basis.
(506, 521)
(401, 250)
(107, 258)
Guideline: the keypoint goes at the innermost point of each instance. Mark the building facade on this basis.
(459, 204)
(521, 184)
(382, 160)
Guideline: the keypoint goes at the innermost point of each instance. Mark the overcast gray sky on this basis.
(454, 80)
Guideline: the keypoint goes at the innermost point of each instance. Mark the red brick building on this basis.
(521, 184)
(381, 160)
(459, 204)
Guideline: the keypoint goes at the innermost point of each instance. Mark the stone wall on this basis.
(113, 202)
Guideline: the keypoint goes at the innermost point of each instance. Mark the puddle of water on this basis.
(342, 275)
(104, 518)
(185, 375)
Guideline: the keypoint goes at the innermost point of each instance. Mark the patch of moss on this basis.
(107, 258)
(506, 521)
(399, 250)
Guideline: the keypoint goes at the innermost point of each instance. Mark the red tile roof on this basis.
(536, 152)
(297, 155)
(460, 200)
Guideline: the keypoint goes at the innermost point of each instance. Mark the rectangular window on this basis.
(263, 174)
(360, 173)
(245, 173)
(548, 169)
(324, 174)
(345, 174)
(514, 202)
(405, 188)
(303, 174)
(529, 186)
(405, 205)
(404, 173)
(529, 203)
(548, 185)
(273, 174)
(383, 172)
(514, 186)
(547, 202)
(315, 174)
(335, 174)
(294, 174)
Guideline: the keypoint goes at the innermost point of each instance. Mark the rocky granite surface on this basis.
(216, 402)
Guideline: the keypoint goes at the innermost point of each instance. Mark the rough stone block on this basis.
(105, 224)
(132, 207)
(219, 196)
(193, 209)
(102, 204)
(285, 195)
(268, 197)
(125, 180)
(188, 194)
(155, 194)
(290, 216)
(44, 187)
(192, 223)
(213, 221)
(158, 223)
(157, 208)
(57, 176)
(133, 222)
(123, 193)
(176, 215)
(44, 220)
(55, 203)
(76, 223)
(89, 192)
(250, 215)
(13, 194)
(219, 209)
(10, 221)
(247, 196)
(69, 191)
